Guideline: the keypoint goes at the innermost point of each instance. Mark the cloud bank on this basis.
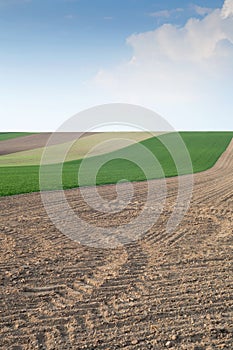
(174, 66)
(227, 10)
(202, 11)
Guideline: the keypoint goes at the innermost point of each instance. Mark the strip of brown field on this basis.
(26, 143)
(166, 290)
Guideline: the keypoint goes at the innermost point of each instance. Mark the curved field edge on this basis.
(204, 148)
(76, 149)
(13, 135)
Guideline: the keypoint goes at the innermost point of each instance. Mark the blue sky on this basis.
(61, 56)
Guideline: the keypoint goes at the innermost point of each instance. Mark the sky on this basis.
(59, 57)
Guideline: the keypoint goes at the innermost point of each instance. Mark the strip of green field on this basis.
(13, 135)
(76, 149)
(204, 149)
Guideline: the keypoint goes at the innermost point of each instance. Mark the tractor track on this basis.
(166, 290)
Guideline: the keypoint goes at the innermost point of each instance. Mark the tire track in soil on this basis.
(164, 291)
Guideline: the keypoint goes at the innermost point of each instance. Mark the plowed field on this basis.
(164, 291)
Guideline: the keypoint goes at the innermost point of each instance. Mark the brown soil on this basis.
(164, 291)
(26, 143)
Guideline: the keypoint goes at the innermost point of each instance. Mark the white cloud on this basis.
(176, 67)
(202, 11)
(227, 10)
(195, 41)
(165, 13)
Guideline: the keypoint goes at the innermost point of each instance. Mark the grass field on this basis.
(204, 148)
(12, 135)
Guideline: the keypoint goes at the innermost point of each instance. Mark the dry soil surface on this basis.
(25, 143)
(166, 290)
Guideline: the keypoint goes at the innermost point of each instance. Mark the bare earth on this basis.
(36, 141)
(76, 145)
(163, 291)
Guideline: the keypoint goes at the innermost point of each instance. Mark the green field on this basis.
(13, 135)
(78, 150)
(204, 148)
